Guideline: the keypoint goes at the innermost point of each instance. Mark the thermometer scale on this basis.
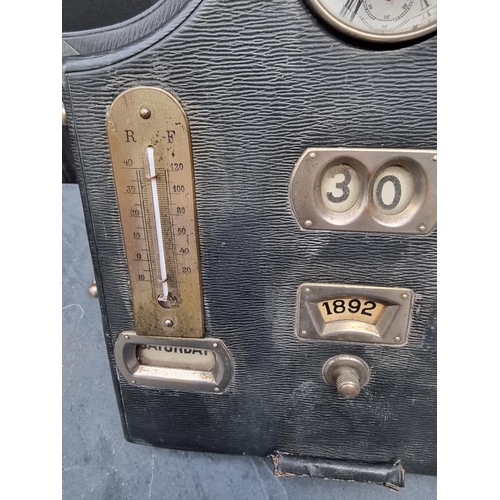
(151, 154)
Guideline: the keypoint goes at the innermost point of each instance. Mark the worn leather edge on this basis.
(100, 48)
(80, 174)
(390, 475)
(87, 42)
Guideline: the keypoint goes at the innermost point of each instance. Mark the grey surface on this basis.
(97, 461)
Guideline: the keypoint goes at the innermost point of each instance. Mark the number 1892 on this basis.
(354, 306)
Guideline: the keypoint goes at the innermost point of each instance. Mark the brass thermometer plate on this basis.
(150, 147)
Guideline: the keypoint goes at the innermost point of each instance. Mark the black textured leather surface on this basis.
(261, 81)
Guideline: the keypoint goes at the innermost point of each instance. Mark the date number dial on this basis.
(351, 308)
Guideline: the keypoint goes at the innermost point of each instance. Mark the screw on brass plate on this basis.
(303, 332)
(397, 339)
(405, 295)
(312, 155)
(422, 228)
(434, 158)
(169, 322)
(133, 381)
(127, 337)
(63, 115)
(308, 223)
(216, 389)
(145, 112)
(215, 344)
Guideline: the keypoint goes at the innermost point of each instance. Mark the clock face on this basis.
(379, 20)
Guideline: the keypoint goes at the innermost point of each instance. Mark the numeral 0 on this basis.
(397, 191)
(393, 190)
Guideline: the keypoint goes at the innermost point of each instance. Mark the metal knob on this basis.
(348, 373)
(92, 289)
(348, 384)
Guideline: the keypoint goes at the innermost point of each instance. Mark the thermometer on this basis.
(150, 148)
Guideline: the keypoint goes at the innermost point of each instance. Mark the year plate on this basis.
(353, 313)
(371, 190)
